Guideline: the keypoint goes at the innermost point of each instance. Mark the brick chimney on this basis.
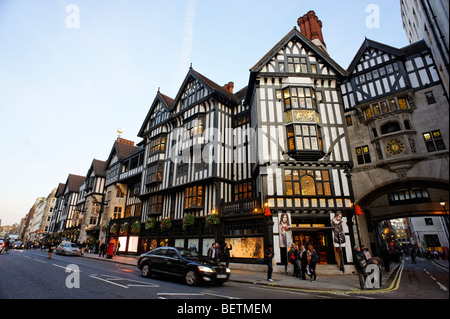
(311, 27)
(229, 87)
(124, 141)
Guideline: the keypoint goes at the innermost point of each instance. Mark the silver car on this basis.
(67, 248)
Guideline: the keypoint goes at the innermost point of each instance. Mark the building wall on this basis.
(428, 225)
(429, 20)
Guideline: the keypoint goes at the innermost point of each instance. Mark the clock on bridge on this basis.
(395, 146)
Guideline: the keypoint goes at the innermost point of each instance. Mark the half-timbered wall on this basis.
(197, 155)
(379, 73)
(294, 66)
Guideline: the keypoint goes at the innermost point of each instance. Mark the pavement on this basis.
(337, 282)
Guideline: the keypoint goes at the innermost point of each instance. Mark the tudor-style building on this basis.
(65, 215)
(123, 207)
(279, 143)
(90, 201)
(188, 161)
(303, 147)
(397, 117)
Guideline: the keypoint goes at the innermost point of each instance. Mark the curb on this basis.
(271, 284)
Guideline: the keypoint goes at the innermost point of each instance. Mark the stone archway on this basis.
(378, 203)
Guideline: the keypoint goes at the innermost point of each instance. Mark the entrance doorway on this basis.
(319, 238)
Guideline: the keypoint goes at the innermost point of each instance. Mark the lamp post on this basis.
(347, 171)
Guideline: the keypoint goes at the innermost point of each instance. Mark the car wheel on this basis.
(145, 271)
(191, 278)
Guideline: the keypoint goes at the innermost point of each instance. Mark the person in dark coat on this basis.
(102, 249)
(303, 262)
(312, 263)
(226, 254)
(360, 264)
(268, 257)
(294, 259)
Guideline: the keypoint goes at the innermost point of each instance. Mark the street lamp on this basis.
(347, 171)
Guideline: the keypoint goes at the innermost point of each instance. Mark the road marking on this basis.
(442, 286)
(178, 294)
(112, 280)
(41, 261)
(108, 281)
(67, 269)
(221, 296)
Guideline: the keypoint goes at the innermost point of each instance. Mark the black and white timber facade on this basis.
(284, 159)
(302, 143)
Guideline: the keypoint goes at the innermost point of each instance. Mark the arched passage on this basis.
(381, 207)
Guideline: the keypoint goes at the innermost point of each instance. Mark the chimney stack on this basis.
(229, 87)
(311, 27)
(124, 141)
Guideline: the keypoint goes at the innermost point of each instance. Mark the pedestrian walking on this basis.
(51, 247)
(102, 249)
(303, 262)
(83, 247)
(268, 258)
(226, 253)
(360, 264)
(413, 256)
(6, 247)
(116, 248)
(312, 263)
(294, 259)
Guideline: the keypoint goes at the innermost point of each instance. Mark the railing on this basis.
(131, 172)
(242, 206)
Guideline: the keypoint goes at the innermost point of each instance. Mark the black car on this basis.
(181, 263)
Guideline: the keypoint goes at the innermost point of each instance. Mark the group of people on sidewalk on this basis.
(303, 260)
(216, 255)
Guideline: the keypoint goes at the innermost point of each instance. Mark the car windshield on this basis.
(70, 245)
(187, 253)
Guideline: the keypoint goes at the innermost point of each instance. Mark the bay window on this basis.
(304, 136)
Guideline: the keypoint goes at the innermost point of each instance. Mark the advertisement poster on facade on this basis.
(285, 231)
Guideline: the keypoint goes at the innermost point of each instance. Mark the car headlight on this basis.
(205, 269)
(228, 270)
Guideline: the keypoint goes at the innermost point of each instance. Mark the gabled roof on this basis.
(98, 167)
(213, 86)
(294, 34)
(60, 189)
(74, 183)
(367, 44)
(166, 101)
(122, 150)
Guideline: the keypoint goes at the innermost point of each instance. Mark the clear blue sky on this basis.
(65, 91)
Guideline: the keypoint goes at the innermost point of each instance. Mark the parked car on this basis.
(67, 248)
(18, 245)
(181, 263)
